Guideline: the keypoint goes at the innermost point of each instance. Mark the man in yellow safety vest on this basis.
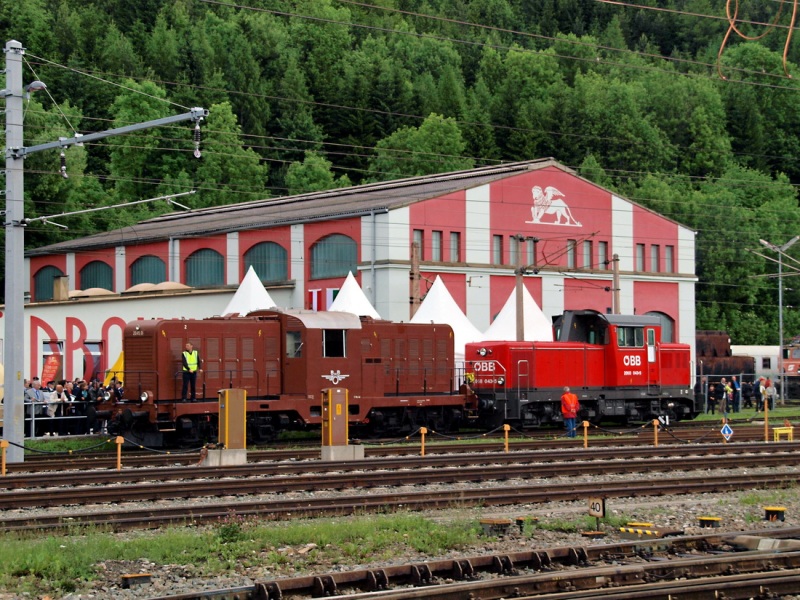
(191, 365)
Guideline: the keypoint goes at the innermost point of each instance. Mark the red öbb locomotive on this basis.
(616, 364)
(400, 376)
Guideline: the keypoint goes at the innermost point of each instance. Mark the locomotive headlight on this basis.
(106, 395)
(501, 380)
(482, 351)
(146, 397)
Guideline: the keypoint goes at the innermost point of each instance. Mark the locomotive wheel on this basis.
(126, 420)
(446, 421)
(261, 434)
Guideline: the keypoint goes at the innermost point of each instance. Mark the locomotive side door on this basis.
(653, 375)
(296, 357)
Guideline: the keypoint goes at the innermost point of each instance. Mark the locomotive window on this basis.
(630, 337)
(598, 336)
(333, 342)
(294, 344)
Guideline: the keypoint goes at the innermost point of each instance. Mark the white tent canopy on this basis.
(352, 299)
(440, 307)
(537, 326)
(251, 296)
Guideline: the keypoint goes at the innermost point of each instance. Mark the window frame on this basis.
(342, 262)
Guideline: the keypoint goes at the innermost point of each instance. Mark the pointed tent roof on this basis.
(251, 296)
(440, 307)
(351, 299)
(537, 326)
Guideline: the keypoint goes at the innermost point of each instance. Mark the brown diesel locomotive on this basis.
(400, 376)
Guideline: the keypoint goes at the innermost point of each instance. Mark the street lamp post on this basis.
(780, 250)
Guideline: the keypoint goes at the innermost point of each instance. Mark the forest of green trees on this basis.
(315, 94)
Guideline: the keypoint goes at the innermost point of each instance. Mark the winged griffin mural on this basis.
(549, 202)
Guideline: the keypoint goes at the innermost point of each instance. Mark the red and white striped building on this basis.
(302, 248)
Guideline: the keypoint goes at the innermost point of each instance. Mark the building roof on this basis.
(303, 208)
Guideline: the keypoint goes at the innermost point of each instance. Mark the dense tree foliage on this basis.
(308, 95)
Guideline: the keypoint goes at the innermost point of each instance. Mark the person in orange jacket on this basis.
(569, 409)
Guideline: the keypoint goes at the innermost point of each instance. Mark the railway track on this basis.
(642, 437)
(681, 567)
(130, 515)
(64, 487)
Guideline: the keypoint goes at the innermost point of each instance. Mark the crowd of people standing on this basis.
(730, 395)
(65, 407)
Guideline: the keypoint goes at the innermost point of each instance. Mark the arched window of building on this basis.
(667, 326)
(43, 283)
(333, 256)
(148, 269)
(97, 274)
(268, 259)
(205, 268)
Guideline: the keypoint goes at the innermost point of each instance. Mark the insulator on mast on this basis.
(197, 140)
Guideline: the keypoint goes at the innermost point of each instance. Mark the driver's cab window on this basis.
(294, 344)
(630, 337)
(333, 342)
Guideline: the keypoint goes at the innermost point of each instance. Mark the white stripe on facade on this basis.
(552, 293)
(477, 239)
(120, 271)
(622, 233)
(297, 261)
(232, 258)
(476, 249)
(685, 250)
(70, 267)
(392, 286)
(686, 330)
(174, 258)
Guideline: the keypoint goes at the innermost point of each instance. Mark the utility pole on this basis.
(520, 297)
(781, 250)
(13, 358)
(414, 276)
(14, 224)
(615, 308)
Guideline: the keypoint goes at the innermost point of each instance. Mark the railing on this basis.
(75, 422)
(230, 377)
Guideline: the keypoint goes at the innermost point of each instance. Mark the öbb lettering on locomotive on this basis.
(400, 376)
